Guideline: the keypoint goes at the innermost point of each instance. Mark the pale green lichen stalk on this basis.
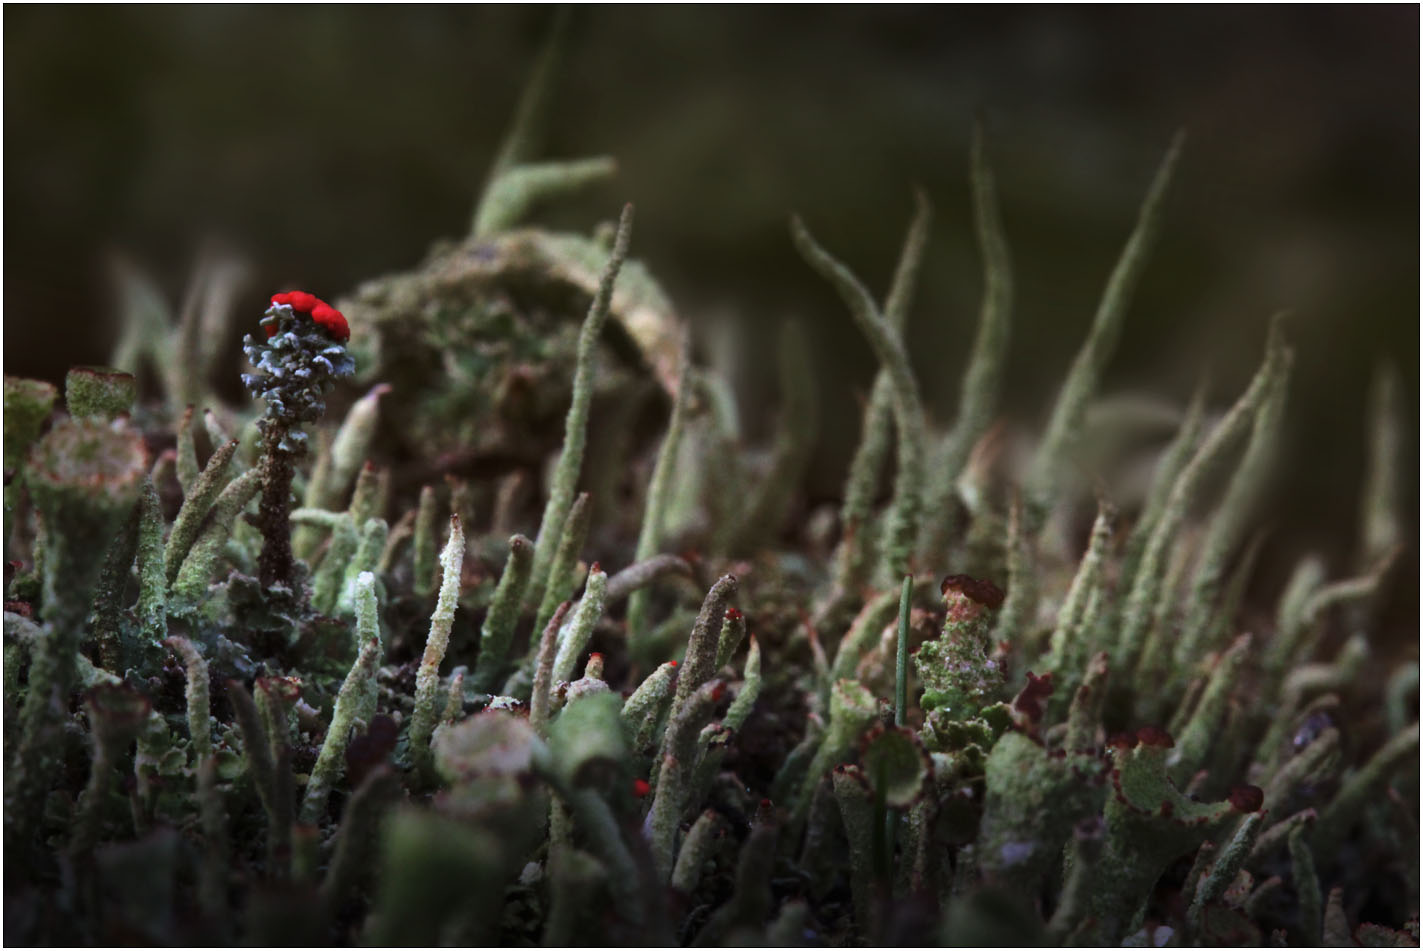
(427, 680)
(575, 433)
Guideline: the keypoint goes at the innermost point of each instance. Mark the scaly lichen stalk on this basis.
(733, 632)
(515, 192)
(1068, 647)
(1346, 807)
(1381, 520)
(1021, 604)
(366, 558)
(195, 574)
(1141, 603)
(1204, 728)
(152, 586)
(498, 629)
(745, 700)
(84, 477)
(359, 827)
(982, 381)
(1311, 914)
(346, 457)
(196, 504)
(852, 558)
(427, 679)
(187, 448)
(901, 524)
(563, 572)
(698, 846)
(543, 669)
(643, 710)
(349, 704)
(1231, 522)
(1065, 427)
(580, 628)
(575, 429)
(675, 769)
(1226, 866)
(1172, 460)
(302, 356)
(699, 665)
(650, 535)
(644, 573)
(423, 545)
(326, 583)
(214, 820)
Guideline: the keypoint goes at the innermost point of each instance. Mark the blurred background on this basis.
(331, 144)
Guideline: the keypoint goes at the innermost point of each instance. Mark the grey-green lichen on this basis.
(806, 734)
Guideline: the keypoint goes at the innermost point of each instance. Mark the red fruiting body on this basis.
(331, 320)
(299, 301)
(985, 593)
(732, 614)
(641, 787)
(323, 314)
(1247, 798)
(597, 567)
(1155, 736)
(1124, 740)
(1034, 692)
(672, 662)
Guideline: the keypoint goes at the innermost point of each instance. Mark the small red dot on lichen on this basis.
(597, 567)
(672, 662)
(641, 787)
(732, 614)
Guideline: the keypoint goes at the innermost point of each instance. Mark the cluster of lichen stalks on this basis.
(741, 746)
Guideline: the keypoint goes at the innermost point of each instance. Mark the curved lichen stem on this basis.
(982, 380)
(1065, 427)
(575, 430)
(902, 521)
(427, 680)
(658, 488)
(852, 558)
(1141, 602)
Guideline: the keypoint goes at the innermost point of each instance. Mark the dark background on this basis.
(331, 144)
